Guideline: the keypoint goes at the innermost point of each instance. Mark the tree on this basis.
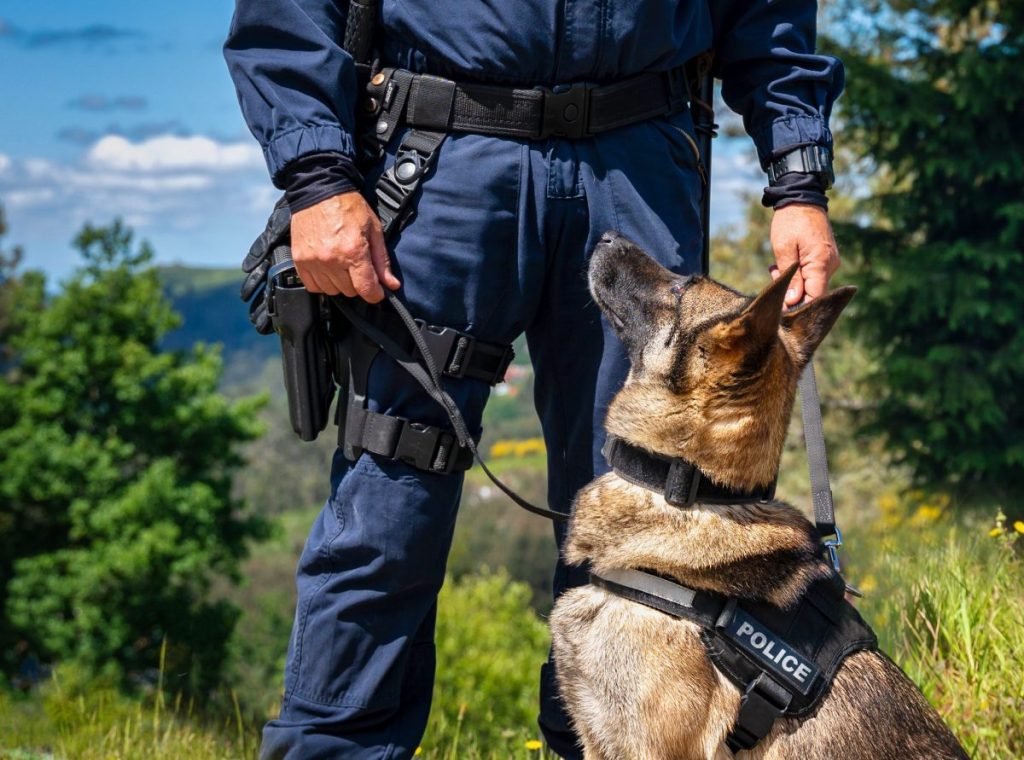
(116, 510)
(934, 101)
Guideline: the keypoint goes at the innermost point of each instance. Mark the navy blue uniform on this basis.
(499, 247)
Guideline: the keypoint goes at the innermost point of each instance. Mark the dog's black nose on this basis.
(610, 237)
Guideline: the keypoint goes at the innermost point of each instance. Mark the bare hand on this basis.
(338, 247)
(802, 233)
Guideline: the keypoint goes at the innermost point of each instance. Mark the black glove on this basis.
(258, 262)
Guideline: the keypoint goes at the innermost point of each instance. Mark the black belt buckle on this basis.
(566, 111)
(440, 341)
(427, 448)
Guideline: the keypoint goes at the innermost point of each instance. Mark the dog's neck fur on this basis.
(733, 430)
(764, 552)
(734, 433)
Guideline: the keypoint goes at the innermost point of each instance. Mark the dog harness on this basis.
(783, 661)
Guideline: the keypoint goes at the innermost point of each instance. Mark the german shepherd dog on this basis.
(713, 379)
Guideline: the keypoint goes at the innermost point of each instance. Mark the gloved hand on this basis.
(277, 234)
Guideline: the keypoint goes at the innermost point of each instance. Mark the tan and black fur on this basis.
(713, 381)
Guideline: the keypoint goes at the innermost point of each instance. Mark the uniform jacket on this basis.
(297, 87)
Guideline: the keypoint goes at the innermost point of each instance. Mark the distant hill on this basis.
(207, 300)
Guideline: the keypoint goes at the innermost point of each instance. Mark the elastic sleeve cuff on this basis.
(788, 132)
(295, 143)
(796, 187)
(319, 176)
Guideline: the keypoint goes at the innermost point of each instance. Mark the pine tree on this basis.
(116, 512)
(934, 104)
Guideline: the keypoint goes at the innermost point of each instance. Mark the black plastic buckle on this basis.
(566, 111)
(682, 483)
(440, 341)
(427, 448)
(397, 185)
(763, 702)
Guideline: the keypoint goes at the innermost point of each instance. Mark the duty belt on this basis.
(572, 111)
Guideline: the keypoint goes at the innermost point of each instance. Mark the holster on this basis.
(301, 321)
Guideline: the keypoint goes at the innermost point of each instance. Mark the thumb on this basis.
(381, 259)
(786, 254)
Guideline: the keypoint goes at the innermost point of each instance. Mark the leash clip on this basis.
(833, 544)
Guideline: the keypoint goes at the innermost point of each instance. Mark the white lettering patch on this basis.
(773, 652)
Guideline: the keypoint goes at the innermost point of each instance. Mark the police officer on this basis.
(498, 247)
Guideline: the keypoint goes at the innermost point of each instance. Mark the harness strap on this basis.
(663, 595)
(762, 704)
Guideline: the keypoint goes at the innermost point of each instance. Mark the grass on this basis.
(946, 602)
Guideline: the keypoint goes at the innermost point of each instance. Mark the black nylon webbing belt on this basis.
(456, 353)
(574, 111)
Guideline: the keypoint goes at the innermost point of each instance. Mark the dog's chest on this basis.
(623, 667)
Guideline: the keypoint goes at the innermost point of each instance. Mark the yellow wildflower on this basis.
(1019, 526)
(997, 531)
(533, 745)
(868, 583)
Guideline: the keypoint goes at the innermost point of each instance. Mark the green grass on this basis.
(946, 601)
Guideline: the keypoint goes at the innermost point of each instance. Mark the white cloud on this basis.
(171, 153)
(27, 198)
(181, 193)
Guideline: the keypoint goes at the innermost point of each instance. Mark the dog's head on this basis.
(713, 373)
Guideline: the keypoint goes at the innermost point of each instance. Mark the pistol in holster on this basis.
(308, 336)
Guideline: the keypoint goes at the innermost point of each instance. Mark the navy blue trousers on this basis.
(499, 246)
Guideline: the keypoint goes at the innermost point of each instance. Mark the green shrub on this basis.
(490, 646)
(949, 609)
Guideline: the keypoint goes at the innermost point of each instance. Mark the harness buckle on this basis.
(682, 483)
(833, 544)
(566, 111)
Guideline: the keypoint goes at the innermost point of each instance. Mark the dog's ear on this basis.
(758, 324)
(810, 323)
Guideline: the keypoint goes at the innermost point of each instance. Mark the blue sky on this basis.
(117, 108)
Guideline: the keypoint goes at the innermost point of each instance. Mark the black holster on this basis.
(307, 337)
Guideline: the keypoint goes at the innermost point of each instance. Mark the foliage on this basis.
(115, 483)
(490, 646)
(950, 612)
(79, 717)
(935, 91)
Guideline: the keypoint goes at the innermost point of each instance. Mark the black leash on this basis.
(425, 373)
(817, 464)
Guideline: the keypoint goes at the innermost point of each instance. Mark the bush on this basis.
(947, 606)
(116, 512)
(490, 646)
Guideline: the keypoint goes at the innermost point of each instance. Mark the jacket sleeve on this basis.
(764, 54)
(296, 85)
